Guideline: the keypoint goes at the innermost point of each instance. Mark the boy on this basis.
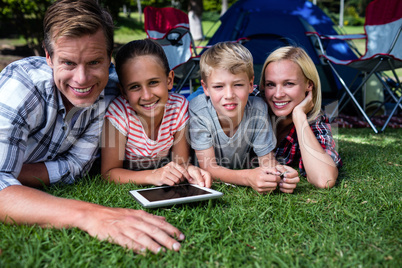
(225, 124)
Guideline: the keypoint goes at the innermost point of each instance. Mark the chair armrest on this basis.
(338, 36)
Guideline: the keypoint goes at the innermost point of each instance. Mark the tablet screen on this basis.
(172, 192)
(170, 195)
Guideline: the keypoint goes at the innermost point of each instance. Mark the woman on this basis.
(291, 87)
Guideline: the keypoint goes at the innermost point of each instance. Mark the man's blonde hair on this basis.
(230, 56)
(306, 64)
(76, 18)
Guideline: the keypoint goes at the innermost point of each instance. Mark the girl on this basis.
(292, 89)
(145, 127)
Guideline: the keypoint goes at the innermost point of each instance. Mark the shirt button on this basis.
(49, 158)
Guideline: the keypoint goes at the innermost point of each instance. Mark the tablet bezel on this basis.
(213, 194)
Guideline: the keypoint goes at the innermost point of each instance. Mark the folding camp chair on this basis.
(170, 28)
(383, 36)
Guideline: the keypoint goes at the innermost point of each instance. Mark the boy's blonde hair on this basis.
(230, 56)
(306, 64)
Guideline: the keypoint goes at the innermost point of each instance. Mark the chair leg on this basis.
(388, 88)
(391, 114)
(351, 95)
(182, 81)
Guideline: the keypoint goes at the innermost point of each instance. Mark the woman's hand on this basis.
(289, 179)
(263, 179)
(305, 106)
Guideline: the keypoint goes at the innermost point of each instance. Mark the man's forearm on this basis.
(34, 175)
(24, 205)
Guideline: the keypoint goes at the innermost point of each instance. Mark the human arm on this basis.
(320, 168)
(180, 154)
(112, 158)
(134, 229)
(289, 179)
(260, 179)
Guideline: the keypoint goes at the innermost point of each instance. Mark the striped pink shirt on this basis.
(141, 151)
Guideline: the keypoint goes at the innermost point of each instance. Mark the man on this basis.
(51, 116)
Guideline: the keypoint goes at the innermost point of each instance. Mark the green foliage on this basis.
(355, 224)
(352, 17)
(113, 6)
(354, 11)
(26, 17)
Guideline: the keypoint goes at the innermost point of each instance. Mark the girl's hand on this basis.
(199, 176)
(170, 174)
(305, 106)
(289, 179)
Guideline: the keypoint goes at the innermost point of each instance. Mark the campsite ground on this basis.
(355, 224)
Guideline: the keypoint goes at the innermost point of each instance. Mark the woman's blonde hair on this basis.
(230, 56)
(300, 57)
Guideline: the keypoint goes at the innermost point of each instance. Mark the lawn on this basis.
(355, 224)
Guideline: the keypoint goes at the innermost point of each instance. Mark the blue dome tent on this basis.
(269, 24)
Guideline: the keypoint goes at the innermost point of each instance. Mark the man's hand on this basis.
(133, 229)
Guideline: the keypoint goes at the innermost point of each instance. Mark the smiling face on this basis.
(228, 93)
(80, 68)
(285, 86)
(146, 87)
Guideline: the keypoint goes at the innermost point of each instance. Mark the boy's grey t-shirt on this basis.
(254, 132)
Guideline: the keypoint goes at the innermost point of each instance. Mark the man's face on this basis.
(80, 68)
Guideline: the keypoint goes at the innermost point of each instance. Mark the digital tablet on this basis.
(170, 195)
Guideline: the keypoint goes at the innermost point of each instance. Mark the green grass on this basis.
(355, 224)
(128, 29)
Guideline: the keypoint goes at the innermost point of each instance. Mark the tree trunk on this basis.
(195, 9)
(224, 6)
(139, 10)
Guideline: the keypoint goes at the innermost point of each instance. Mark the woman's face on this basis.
(285, 86)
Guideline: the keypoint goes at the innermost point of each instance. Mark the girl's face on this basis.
(145, 86)
(285, 86)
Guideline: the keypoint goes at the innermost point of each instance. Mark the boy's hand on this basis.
(263, 179)
(289, 179)
(199, 176)
(169, 174)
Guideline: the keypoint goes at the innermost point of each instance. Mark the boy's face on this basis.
(228, 93)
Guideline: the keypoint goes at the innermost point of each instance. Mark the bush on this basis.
(353, 21)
